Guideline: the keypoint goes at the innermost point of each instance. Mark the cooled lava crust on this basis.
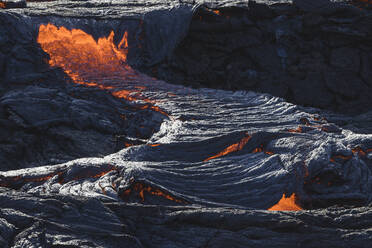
(104, 143)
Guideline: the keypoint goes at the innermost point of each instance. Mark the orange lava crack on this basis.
(232, 148)
(140, 189)
(286, 204)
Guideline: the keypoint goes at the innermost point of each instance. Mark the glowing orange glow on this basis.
(153, 145)
(141, 189)
(126, 144)
(80, 55)
(340, 157)
(359, 151)
(9, 182)
(262, 149)
(85, 60)
(363, 1)
(232, 148)
(125, 94)
(258, 149)
(217, 12)
(2, 5)
(286, 204)
(298, 130)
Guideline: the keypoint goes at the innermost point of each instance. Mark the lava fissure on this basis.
(232, 148)
(138, 189)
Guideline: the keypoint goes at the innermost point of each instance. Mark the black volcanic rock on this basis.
(278, 50)
(8, 4)
(346, 59)
(183, 167)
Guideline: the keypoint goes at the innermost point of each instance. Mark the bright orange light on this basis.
(232, 148)
(286, 204)
(141, 189)
(80, 56)
(297, 130)
(2, 5)
(85, 60)
(153, 145)
(217, 12)
(340, 157)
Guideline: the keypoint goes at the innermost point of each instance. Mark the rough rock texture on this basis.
(53, 221)
(272, 48)
(47, 118)
(187, 167)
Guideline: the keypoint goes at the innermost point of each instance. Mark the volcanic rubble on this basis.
(109, 137)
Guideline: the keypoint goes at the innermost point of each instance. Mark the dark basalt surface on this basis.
(80, 186)
(312, 55)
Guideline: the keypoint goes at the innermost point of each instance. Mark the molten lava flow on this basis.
(232, 148)
(85, 60)
(153, 145)
(140, 189)
(297, 130)
(286, 204)
(11, 182)
(125, 94)
(154, 108)
(333, 159)
(217, 12)
(362, 3)
(360, 151)
(80, 56)
(2, 5)
(88, 174)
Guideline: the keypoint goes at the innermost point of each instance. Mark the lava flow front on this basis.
(87, 61)
(80, 56)
(286, 204)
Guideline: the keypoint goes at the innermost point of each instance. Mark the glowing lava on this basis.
(333, 159)
(217, 12)
(297, 130)
(141, 189)
(80, 56)
(286, 204)
(232, 148)
(2, 5)
(86, 60)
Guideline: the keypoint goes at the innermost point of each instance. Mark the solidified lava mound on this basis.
(97, 151)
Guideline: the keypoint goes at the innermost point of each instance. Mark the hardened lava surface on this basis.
(98, 154)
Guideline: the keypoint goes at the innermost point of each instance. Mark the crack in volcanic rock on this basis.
(98, 154)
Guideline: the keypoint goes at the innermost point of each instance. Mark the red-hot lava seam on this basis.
(87, 174)
(10, 182)
(153, 145)
(262, 149)
(362, 3)
(361, 152)
(238, 147)
(141, 188)
(333, 158)
(232, 148)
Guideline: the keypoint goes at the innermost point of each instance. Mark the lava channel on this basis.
(86, 61)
